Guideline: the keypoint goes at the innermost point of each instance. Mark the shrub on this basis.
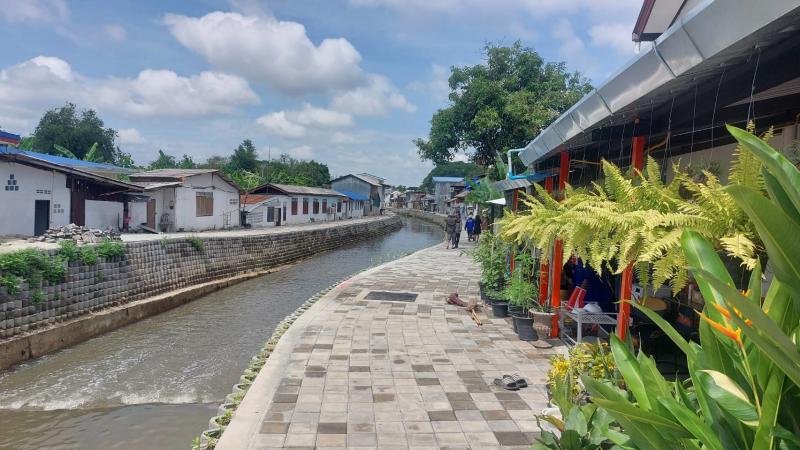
(197, 244)
(87, 255)
(109, 249)
(32, 266)
(68, 250)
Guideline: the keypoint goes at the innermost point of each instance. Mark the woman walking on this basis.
(477, 227)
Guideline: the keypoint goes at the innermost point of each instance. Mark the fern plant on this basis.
(639, 219)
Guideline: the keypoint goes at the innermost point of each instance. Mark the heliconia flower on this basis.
(722, 310)
(727, 330)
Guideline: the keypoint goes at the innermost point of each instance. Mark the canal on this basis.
(156, 383)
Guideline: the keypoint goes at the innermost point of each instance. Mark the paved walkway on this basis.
(354, 372)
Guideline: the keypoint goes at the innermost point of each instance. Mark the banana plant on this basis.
(743, 390)
(92, 155)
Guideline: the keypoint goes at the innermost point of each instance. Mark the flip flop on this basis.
(521, 382)
(506, 383)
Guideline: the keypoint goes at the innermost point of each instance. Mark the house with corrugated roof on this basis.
(445, 188)
(364, 185)
(186, 200)
(42, 191)
(302, 204)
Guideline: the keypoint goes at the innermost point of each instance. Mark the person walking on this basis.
(477, 227)
(451, 227)
(469, 226)
(458, 228)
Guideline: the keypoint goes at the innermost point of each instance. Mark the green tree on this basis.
(164, 161)
(186, 162)
(245, 157)
(500, 104)
(77, 132)
(451, 169)
(215, 162)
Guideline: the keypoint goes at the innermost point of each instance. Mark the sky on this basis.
(346, 82)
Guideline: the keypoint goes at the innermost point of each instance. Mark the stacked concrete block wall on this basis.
(438, 219)
(151, 268)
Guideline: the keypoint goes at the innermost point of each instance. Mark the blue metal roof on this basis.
(61, 160)
(447, 179)
(354, 196)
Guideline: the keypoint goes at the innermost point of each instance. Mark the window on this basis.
(325, 206)
(204, 204)
(305, 205)
(294, 206)
(271, 214)
(316, 206)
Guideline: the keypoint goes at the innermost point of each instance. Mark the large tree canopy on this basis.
(450, 169)
(500, 104)
(77, 132)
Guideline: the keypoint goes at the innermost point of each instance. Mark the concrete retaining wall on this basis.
(115, 290)
(438, 219)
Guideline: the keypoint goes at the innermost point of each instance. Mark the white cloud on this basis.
(321, 117)
(342, 138)
(374, 99)
(115, 31)
(49, 11)
(295, 124)
(278, 124)
(26, 89)
(130, 136)
(301, 152)
(277, 53)
(616, 36)
(437, 87)
(571, 45)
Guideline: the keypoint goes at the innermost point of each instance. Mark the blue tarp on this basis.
(354, 196)
(61, 160)
(447, 179)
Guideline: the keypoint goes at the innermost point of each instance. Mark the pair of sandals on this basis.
(511, 382)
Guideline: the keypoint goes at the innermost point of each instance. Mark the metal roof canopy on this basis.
(707, 41)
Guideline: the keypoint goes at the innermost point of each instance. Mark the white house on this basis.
(302, 204)
(186, 200)
(39, 194)
(262, 210)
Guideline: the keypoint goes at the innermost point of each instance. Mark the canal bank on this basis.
(154, 276)
(435, 218)
(155, 383)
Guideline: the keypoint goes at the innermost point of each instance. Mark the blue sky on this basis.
(346, 82)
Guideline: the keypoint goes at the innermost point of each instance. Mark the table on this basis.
(582, 317)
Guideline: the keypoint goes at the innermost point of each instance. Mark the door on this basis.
(151, 213)
(41, 217)
(77, 202)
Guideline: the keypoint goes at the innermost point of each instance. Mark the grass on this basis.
(197, 244)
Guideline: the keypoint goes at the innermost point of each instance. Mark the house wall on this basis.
(352, 184)
(138, 213)
(104, 214)
(322, 216)
(184, 216)
(34, 184)
(257, 217)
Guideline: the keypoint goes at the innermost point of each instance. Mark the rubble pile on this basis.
(77, 233)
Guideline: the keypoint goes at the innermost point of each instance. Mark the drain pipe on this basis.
(510, 175)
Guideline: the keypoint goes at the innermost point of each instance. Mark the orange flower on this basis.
(727, 330)
(722, 310)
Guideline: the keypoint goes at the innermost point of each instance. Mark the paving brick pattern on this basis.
(372, 374)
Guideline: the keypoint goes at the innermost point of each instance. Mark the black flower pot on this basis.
(482, 288)
(516, 310)
(524, 328)
(500, 309)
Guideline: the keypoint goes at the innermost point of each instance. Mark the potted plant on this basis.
(490, 253)
(520, 293)
(543, 316)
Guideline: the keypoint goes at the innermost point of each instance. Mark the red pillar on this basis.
(558, 248)
(626, 284)
(544, 268)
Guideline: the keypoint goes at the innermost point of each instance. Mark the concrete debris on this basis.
(77, 233)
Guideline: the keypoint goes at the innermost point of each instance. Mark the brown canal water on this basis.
(156, 383)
